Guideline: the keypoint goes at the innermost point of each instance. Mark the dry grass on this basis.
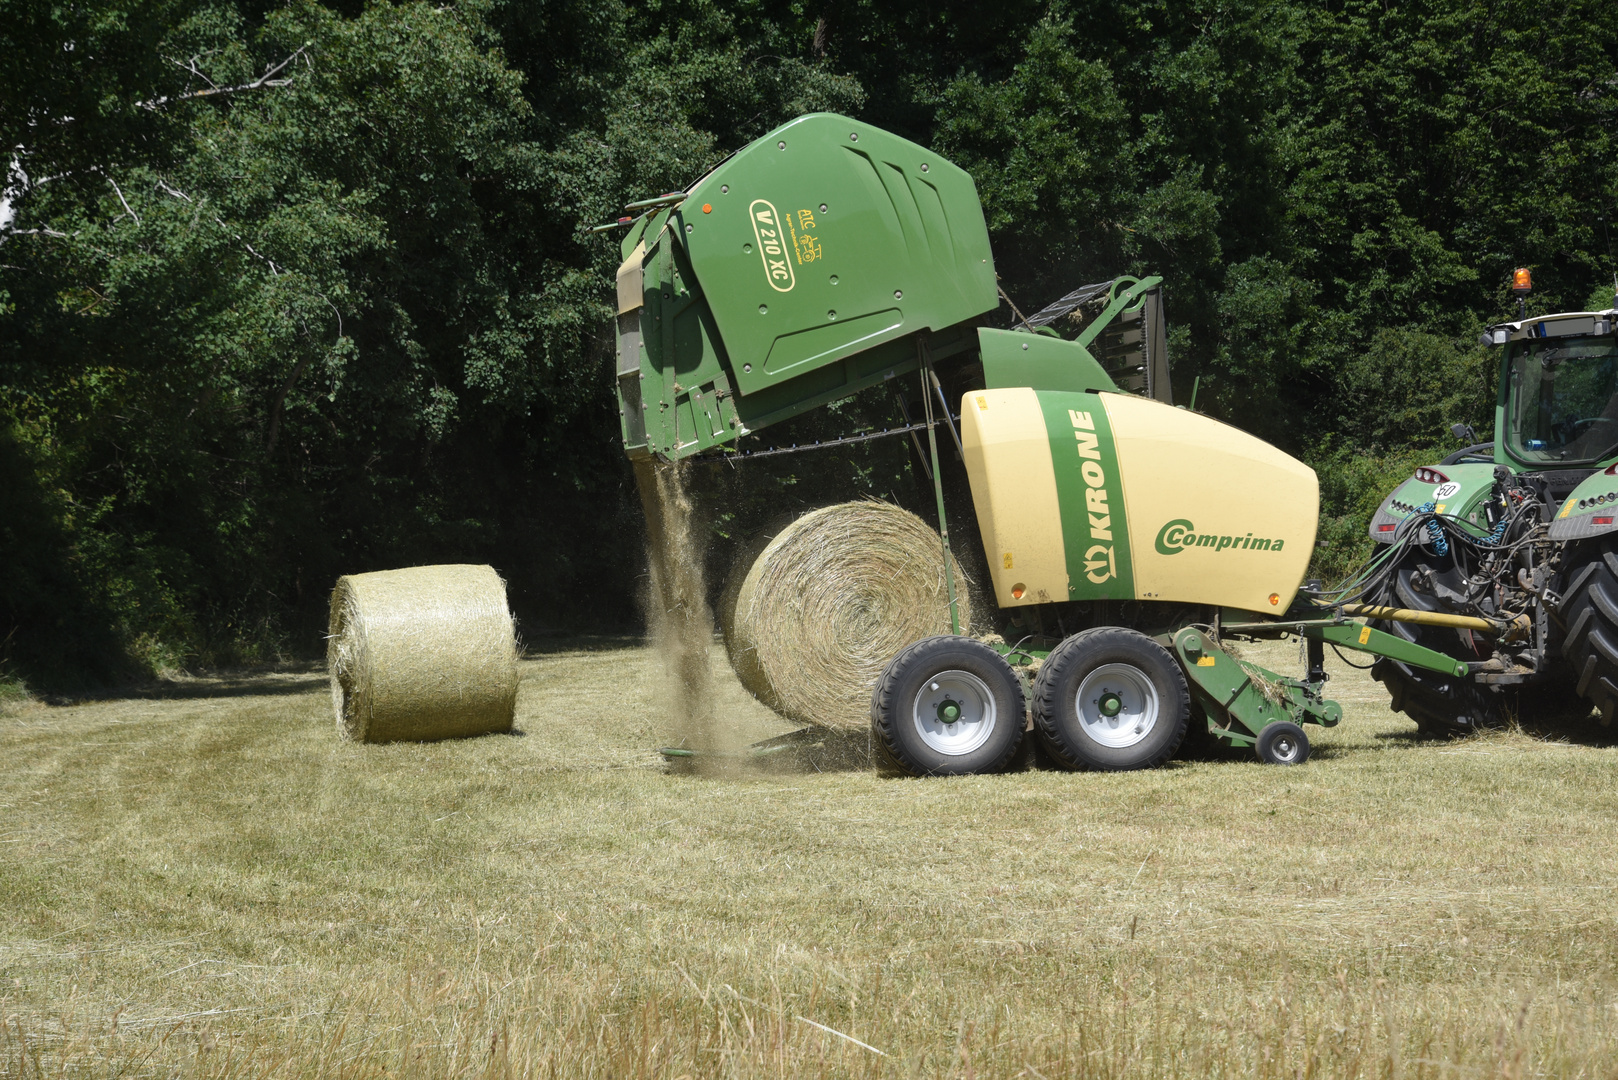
(217, 886)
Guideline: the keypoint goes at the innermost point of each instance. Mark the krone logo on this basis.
(1100, 563)
(767, 231)
(1099, 556)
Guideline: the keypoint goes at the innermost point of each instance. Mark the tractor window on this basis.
(1563, 400)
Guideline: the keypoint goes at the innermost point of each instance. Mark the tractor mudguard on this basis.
(1590, 510)
(1458, 491)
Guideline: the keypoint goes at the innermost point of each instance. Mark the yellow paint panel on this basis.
(1183, 471)
(1008, 461)
(630, 280)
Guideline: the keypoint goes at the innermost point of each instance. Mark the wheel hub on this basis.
(954, 712)
(1117, 705)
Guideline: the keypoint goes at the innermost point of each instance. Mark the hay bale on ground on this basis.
(421, 654)
(813, 612)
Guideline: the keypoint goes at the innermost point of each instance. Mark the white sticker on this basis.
(1446, 491)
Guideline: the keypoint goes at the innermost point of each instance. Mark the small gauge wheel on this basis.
(1283, 743)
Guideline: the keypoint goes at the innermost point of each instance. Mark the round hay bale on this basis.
(813, 612)
(421, 654)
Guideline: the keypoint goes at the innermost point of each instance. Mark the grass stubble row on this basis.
(214, 886)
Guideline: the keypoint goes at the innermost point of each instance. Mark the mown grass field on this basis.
(206, 882)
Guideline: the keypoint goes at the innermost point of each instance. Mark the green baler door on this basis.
(828, 237)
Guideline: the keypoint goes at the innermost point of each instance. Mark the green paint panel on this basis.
(1468, 489)
(828, 237)
(1090, 495)
(1013, 358)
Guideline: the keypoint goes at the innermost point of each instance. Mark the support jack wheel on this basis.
(1283, 743)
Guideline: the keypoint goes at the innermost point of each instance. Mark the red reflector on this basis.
(1390, 528)
(1603, 521)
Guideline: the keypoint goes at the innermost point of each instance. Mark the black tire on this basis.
(910, 704)
(1441, 705)
(1142, 680)
(1283, 743)
(1444, 706)
(1590, 611)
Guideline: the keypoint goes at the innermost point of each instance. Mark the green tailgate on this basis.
(828, 237)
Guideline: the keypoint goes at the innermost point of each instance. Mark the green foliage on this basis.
(1352, 485)
(291, 290)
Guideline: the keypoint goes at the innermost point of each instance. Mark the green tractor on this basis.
(1523, 530)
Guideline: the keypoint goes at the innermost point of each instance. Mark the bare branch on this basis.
(276, 270)
(264, 81)
(191, 66)
(172, 192)
(123, 200)
(8, 233)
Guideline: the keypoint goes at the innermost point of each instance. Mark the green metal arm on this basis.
(1361, 638)
(1121, 302)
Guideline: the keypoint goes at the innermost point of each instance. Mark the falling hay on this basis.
(421, 654)
(812, 620)
(677, 612)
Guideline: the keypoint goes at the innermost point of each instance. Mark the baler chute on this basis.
(800, 271)
(830, 256)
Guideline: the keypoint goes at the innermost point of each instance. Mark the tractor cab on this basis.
(1558, 405)
(1556, 429)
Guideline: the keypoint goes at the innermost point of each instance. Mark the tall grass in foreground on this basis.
(584, 1023)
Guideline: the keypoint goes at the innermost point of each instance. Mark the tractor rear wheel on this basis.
(1110, 698)
(1590, 611)
(1444, 706)
(949, 706)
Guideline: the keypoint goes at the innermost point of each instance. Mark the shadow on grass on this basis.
(1580, 732)
(807, 750)
(303, 679)
(551, 644)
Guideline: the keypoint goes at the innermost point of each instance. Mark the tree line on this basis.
(290, 290)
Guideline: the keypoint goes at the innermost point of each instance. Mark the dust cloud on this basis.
(677, 612)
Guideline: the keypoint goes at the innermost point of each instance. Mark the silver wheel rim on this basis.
(974, 704)
(1284, 747)
(1117, 705)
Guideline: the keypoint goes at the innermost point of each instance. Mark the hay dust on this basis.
(677, 613)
